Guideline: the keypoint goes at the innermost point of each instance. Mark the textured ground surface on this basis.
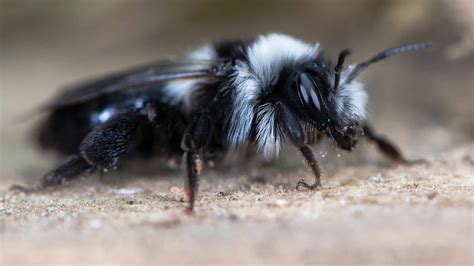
(365, 214)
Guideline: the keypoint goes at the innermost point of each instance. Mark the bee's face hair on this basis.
(338, 110)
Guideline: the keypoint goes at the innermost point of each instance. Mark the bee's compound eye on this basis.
(307, 91)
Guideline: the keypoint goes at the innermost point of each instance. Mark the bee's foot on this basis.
(303, 184)
(190, 211)
(27, 190)
(414, 162)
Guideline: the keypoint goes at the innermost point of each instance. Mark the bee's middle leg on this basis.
(196, 138)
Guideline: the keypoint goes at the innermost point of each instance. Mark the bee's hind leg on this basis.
(74, 166)
(100, 149)
(388, 148)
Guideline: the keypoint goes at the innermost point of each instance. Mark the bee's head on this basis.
(334, 101)
(337, 110)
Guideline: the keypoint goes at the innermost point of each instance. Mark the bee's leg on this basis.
(191, 184)
(297, 135)
(313, 164)
(196, 138)
(74, 166)
(100, 149)
(104, 145)
(388, 148)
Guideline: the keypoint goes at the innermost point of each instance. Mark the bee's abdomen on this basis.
(63, 129)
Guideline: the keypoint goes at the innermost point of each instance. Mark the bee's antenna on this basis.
(338, 67)
(358, 68)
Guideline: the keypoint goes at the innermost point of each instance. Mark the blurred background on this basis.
(423, 101)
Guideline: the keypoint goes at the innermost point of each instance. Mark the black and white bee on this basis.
(220, 97)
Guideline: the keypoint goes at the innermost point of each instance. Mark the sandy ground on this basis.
(363, 214)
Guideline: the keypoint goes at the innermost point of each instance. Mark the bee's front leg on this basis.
(388, 148)
(294, 130)
(313, 164)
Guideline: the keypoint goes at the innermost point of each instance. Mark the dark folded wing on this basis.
(135, 79)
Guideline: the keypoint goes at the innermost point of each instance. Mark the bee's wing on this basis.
(135, 79)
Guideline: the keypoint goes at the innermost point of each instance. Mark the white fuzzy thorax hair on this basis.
(267, 56)
(268, 136)
(180, 91)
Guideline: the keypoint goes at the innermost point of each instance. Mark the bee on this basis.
(266, 92)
